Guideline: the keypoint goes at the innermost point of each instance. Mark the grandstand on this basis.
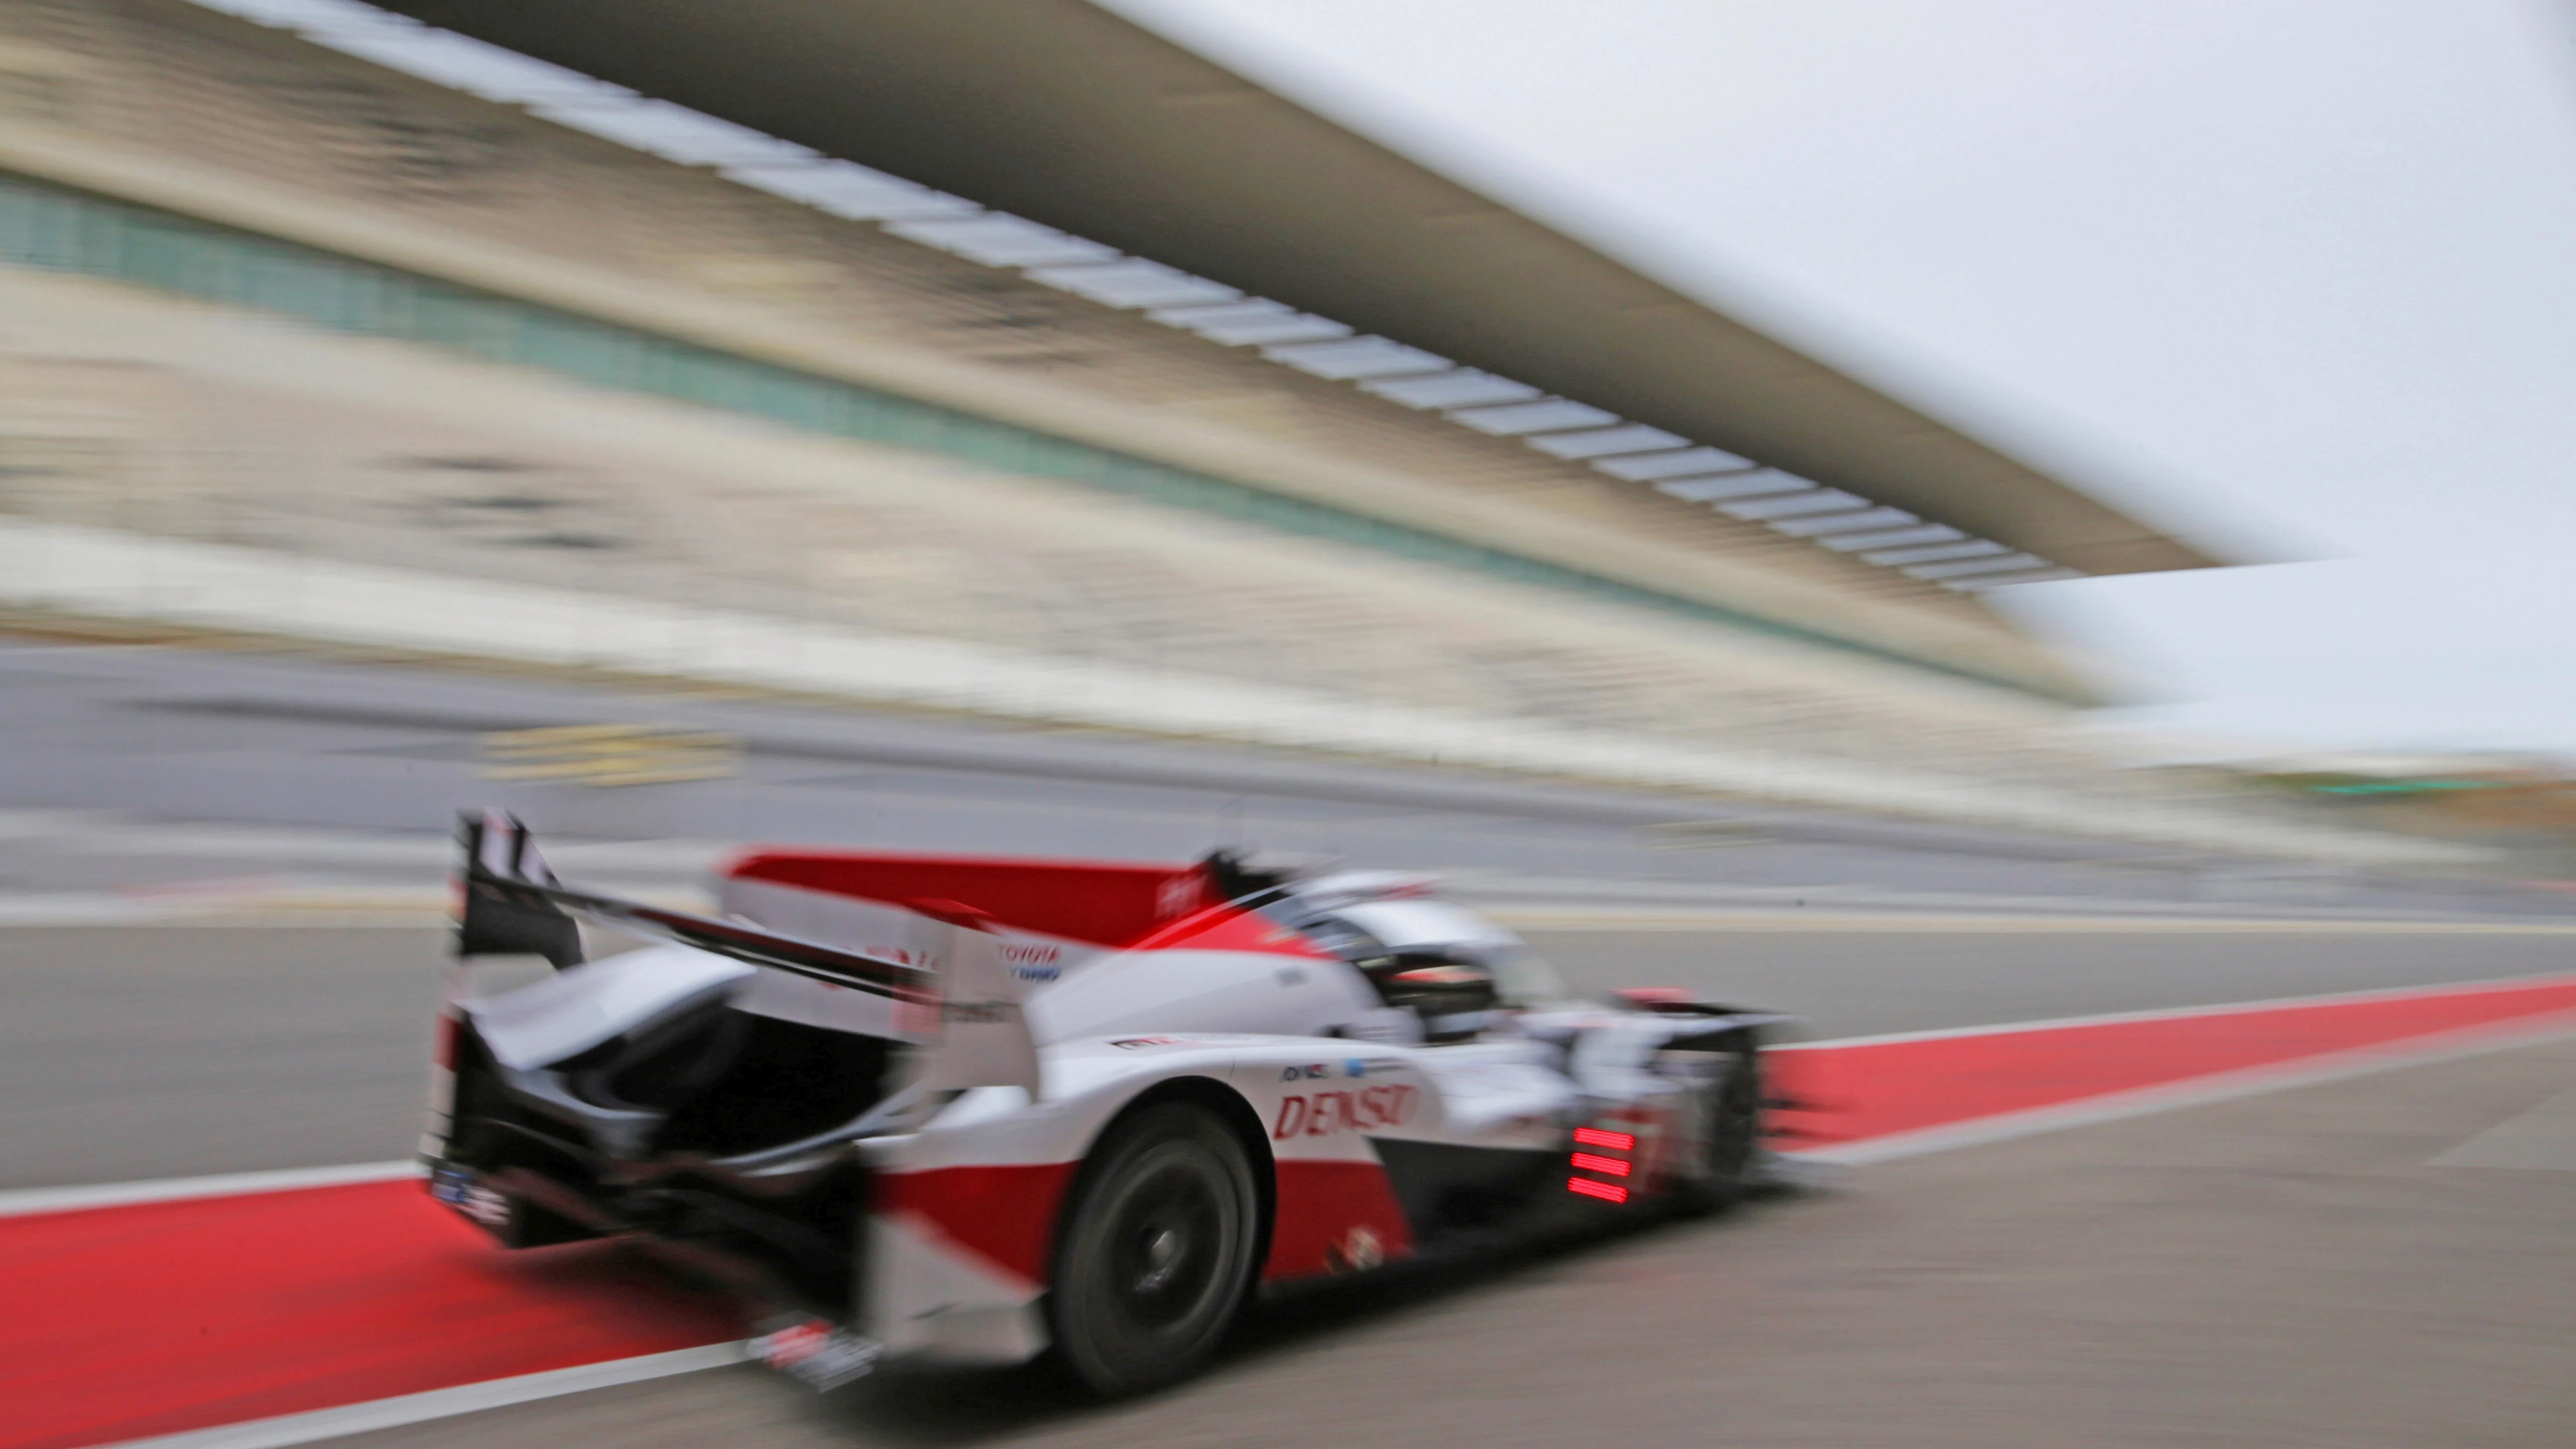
(312, 293)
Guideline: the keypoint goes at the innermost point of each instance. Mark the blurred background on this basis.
(1056, 395)
(1922, 516)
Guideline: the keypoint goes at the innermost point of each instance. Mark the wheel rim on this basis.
(1159, 1250)
(1169, 1237)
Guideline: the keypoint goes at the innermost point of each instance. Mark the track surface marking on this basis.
(1880, 1087)
(156, 1318)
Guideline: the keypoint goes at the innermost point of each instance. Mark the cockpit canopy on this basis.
(1450, 967)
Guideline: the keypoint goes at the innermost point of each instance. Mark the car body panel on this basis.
(935, 1071)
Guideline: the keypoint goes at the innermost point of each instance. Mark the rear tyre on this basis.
(1157, 1251)
(1729, 1127)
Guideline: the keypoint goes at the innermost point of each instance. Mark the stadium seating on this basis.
(125, 407)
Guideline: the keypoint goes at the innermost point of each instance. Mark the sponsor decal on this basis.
(1135, 1043)
(818, 1353)
(1351, 1067)
(979, 1013)
(1023, 956)
(459, 1190)
(1359, 1250)
(1329, 1114)
(1033, 960)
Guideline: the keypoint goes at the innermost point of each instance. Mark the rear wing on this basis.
(953, 997)
(1084, 907)
(510, 903)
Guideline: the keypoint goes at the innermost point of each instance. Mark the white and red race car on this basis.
(974, 1109)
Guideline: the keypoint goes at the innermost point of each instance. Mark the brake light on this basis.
(1595, 1162)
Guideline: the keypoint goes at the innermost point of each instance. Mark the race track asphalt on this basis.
(163, 1051)
(2285, 1271)
(2289, 1271)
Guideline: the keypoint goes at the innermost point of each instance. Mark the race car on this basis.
(979, 1110)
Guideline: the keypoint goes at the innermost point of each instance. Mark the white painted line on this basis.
(444, 1403)
(78, 908)
(2542, 1139)
(293, 1429)
(405, 1409)
(24, 1201)
(2201, 1091)
(21, 1202)
(2183, 1013)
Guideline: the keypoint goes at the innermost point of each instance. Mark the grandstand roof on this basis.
(1063, 113)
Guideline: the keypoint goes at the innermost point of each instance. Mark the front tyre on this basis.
(1157, 1251)
(1727, 1155)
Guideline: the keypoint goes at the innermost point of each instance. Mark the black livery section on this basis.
(1447, 1189)
(721, 1136)
(511, 904)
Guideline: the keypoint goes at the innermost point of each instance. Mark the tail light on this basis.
(1610, 1160)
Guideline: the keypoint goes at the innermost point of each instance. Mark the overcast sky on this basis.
(2297, 277)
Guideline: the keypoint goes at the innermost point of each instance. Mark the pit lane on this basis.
(260, 991)
(2290, 1270)
(140, 1053)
